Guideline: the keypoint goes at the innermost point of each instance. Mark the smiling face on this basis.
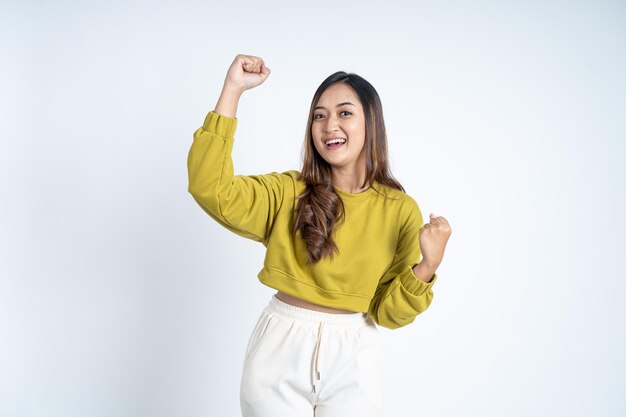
(339, 114)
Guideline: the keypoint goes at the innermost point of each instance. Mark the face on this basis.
(339, 114)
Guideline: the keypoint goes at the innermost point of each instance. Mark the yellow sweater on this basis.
(378, 242)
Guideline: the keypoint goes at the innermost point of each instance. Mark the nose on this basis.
(332, 124)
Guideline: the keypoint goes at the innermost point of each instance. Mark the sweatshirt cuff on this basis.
(413, 284)
(221, 125)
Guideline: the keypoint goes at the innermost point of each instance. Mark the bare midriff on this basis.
(295, 301)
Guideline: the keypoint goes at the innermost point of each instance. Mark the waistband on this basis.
(280, 307)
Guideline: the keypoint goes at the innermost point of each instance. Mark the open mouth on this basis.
(335, 143)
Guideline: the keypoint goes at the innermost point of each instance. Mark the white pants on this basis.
(305, 363)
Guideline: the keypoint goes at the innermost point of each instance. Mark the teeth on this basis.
(335, 141)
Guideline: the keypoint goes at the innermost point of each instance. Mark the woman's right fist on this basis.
(246, 72)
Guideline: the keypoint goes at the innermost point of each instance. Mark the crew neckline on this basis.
(356, 196)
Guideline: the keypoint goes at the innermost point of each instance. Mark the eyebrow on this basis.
(338, 105)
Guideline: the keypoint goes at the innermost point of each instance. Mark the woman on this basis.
(343, 246)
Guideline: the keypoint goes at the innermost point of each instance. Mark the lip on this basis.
(336, 137)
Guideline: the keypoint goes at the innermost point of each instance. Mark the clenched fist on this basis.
(246, 72)
(433, 238)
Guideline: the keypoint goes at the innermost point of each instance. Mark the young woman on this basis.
(343, 244)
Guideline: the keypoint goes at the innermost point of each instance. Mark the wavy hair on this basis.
(320, 209)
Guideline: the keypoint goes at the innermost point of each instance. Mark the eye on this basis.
(341, 112)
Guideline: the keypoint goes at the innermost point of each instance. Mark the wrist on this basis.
(228, 102)
(429, 263)
(424, 271)
(232, 90)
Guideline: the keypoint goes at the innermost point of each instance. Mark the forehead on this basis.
(338, 93)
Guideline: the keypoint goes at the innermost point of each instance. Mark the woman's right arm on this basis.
(245, 72)
(244, 204)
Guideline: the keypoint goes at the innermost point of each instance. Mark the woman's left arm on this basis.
(433, 237)
(405, 290)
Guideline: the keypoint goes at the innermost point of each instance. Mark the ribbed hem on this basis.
(221, 125)
(413, 284)
(277, 279)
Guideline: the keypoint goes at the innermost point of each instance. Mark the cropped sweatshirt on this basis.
(378, 242)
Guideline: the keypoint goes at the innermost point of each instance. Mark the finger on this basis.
(438, 219)
(442, 220)
(247, 65)
(247, 59)
(249, 62)
(433, 217)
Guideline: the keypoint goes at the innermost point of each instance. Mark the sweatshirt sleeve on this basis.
(400, 295)
(245, 205)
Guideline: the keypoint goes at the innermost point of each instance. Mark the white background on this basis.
(119, 296)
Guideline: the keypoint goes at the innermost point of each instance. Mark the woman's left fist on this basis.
(433, 238)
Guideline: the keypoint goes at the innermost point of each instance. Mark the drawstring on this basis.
(315, 374)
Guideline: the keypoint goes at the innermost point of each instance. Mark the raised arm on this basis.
(244, 204)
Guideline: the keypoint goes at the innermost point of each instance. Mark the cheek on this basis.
(356, 128)
(315, 139)
(315, 132)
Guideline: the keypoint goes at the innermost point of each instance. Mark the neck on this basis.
(349, 181)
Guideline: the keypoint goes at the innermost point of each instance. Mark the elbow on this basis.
(391, 320)
(394, 323)
(400, 315)
(193, 189)
(202, 188)
(206, 197)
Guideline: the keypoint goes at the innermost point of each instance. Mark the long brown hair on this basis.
(320, 209)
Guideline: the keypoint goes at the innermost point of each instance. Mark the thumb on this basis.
(265, 72)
